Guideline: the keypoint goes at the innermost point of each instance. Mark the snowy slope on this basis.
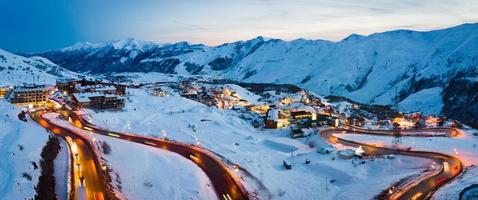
(20, 144)
(18, 70)
(428, 101)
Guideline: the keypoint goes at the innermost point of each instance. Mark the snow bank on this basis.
(62, 171)
(20, 145)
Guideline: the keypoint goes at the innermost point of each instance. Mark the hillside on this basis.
(18, 70)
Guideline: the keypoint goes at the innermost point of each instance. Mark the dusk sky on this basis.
(37, 25)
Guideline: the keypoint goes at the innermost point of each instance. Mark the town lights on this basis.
(235, 167)
(390, 191)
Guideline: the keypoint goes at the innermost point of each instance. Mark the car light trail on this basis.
(194, 158)
(446, 167)
(416, 196)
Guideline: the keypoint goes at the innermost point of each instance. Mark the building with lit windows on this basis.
(28, 95)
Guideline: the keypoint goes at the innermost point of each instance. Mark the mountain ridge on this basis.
(380, 68)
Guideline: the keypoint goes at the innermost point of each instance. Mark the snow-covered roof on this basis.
(24, 89)
(96, 87)
(273, 114)
(85, 97)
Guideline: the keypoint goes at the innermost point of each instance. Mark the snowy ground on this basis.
(452, 191)
(465, 147)
(261, 152)
(143, 172)
(20, 145)
(429, 101)
(62, 171)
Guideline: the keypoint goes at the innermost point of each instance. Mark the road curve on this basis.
(421, 187)
(88, 158)
(226, 183)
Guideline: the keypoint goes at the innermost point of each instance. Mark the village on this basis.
(288, 120)
(294, 109)
(269, 107)
(298, 110)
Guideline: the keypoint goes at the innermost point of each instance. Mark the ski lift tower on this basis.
(397, 136)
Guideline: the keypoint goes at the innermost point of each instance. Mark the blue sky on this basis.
(37, 25)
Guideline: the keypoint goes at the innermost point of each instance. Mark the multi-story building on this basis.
(98, 100)
(83, 86)
(28, 95)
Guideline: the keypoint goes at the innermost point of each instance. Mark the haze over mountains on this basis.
(410, 68)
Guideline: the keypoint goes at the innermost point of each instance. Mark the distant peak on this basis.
(353, 36)
(131, 43)
(81, 46)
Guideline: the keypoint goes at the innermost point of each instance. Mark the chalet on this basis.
(98, 100)
(159, 92)
(296, 133)
(105, 89)
(346, 154)
(261, 109)
(190, 94)
(4, 91)
(300, 114)
(83, 86)
(306, 123)
(28, 95)
(325, 150)
(272, 118)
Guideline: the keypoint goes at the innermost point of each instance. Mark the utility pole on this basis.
(326, 184)
(397, 99)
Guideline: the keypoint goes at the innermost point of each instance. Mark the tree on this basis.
(22, 116)
(106, 148)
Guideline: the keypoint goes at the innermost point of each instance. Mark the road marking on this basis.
(150, 143)
(114, 135)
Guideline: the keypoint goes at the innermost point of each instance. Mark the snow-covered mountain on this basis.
(393, 67)
(18, 70)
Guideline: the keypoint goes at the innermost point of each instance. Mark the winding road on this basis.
(226, 182)
(88, 159)
(423, 186)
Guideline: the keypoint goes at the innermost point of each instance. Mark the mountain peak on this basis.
(82, 46)
(132, 43)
